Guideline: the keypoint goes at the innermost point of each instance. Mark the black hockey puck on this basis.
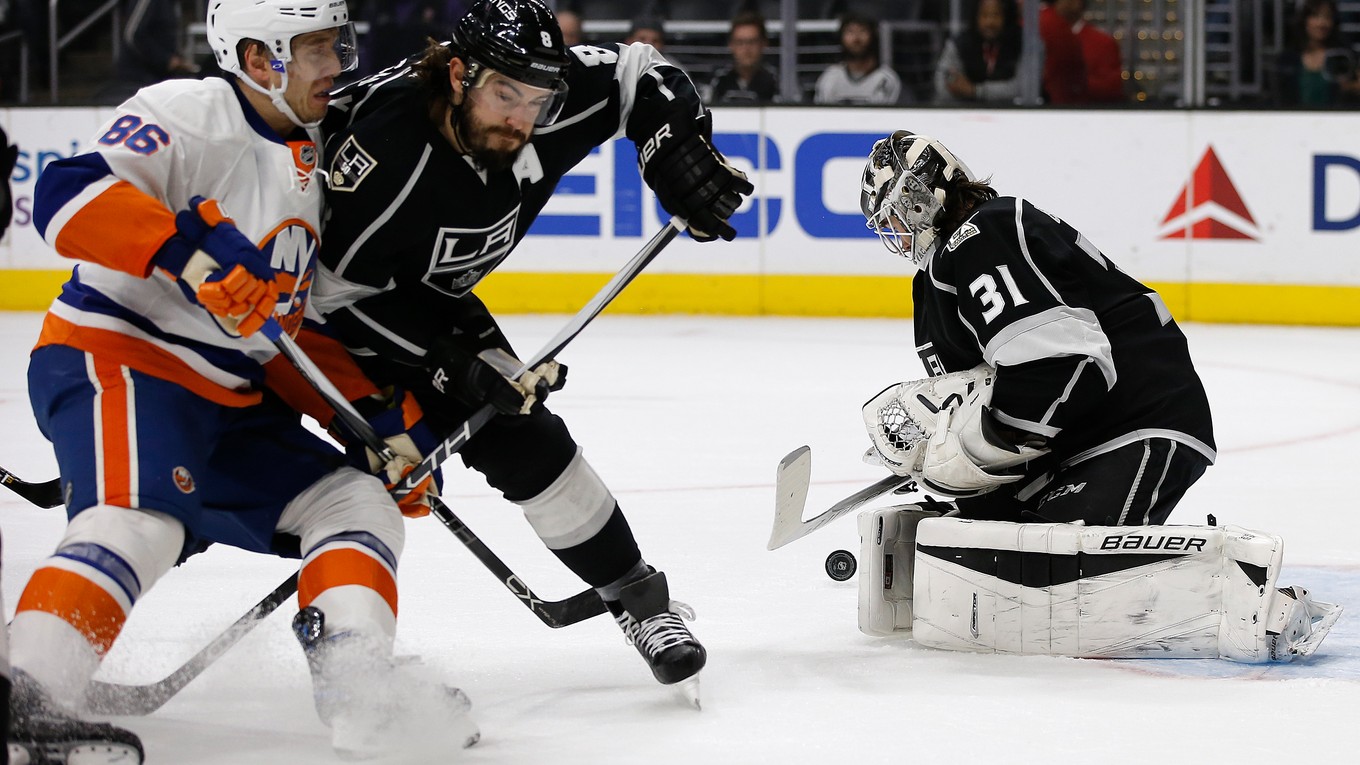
(840, 565)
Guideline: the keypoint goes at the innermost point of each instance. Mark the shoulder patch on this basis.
(350, 167)
(962, 235)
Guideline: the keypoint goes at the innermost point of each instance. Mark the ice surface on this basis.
(686, 418)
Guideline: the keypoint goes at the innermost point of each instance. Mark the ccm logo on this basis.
(654, 143)
(1137, 542)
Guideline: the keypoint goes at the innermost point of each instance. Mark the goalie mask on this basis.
(902, 192)
(520, 40)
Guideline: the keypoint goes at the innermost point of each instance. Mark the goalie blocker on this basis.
(1087, 591)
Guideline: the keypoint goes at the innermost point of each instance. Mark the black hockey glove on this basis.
(486, 378)
(691, 178)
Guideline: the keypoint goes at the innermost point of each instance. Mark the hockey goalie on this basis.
(1065, 419)
(1063, 589)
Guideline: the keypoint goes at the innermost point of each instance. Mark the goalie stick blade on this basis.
(140, 700)
(791, 480)
(791, 486)
(45, 494)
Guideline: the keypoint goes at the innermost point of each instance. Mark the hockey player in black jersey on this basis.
(437, 169)
(1074, 395)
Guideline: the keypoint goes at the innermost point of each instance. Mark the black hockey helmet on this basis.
(902, 191)
(518, 38)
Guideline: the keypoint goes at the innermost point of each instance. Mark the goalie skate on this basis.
(655, 625)
(42, 733)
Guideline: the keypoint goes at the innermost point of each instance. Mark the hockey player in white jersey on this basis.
(169, 413)
(1064, 416)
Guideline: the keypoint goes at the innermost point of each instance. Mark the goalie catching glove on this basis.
(489, 377)
(398, 420)
(940, 432)
(691, 178)
(219, 268)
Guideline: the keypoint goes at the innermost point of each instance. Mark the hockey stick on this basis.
(113, 698)
(45, 494)
(136, 700)
(554, 613)
(559, 613)
(573, 328)
(791, 481)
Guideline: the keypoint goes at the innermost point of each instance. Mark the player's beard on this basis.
(477, 138)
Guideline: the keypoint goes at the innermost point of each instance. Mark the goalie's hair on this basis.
(960, 200)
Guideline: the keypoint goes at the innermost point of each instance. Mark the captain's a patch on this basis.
(965, 231)
(350, 167)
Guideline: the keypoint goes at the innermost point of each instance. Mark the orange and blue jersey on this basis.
(112, 207)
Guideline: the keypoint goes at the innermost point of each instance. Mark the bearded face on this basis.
(489, 140)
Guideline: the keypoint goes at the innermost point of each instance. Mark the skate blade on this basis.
(689, 691)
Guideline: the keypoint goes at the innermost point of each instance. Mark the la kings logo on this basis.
(462, 256)
(351, 166)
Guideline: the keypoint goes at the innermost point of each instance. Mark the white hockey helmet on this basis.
(275, 23)
(902, 192)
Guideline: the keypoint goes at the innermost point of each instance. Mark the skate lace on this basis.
(657, 633)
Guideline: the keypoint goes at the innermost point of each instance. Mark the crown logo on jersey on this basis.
(1209, 206)
(350, 167)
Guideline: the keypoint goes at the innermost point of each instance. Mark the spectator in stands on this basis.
(747, 81)
(1099, 53)
(569, 21)
(1064, 76)
(647, 29)
(651, 30)
(859, 77)
(151, 53)
(981, 63)
(1319, 68)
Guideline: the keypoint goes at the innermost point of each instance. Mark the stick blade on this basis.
(791, 481)
(125, 700)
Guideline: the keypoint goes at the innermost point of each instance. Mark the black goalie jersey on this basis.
(1085, 355)
(412, 225)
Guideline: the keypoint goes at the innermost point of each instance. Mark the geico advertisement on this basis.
(1171, 196)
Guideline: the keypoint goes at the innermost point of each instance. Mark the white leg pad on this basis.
(1110, 592)
(887, 541)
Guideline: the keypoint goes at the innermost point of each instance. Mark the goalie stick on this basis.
(791, 481)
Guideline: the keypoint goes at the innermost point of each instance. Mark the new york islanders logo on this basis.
(291, 248)
(184, 480)
(1209, 206)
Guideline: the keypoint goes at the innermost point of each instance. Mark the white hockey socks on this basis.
(1110, 592)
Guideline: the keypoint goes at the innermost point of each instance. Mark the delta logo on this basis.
(1209, 206)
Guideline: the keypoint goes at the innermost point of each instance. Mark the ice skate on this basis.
(655, 625)
(374, 706)
(42, 733)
